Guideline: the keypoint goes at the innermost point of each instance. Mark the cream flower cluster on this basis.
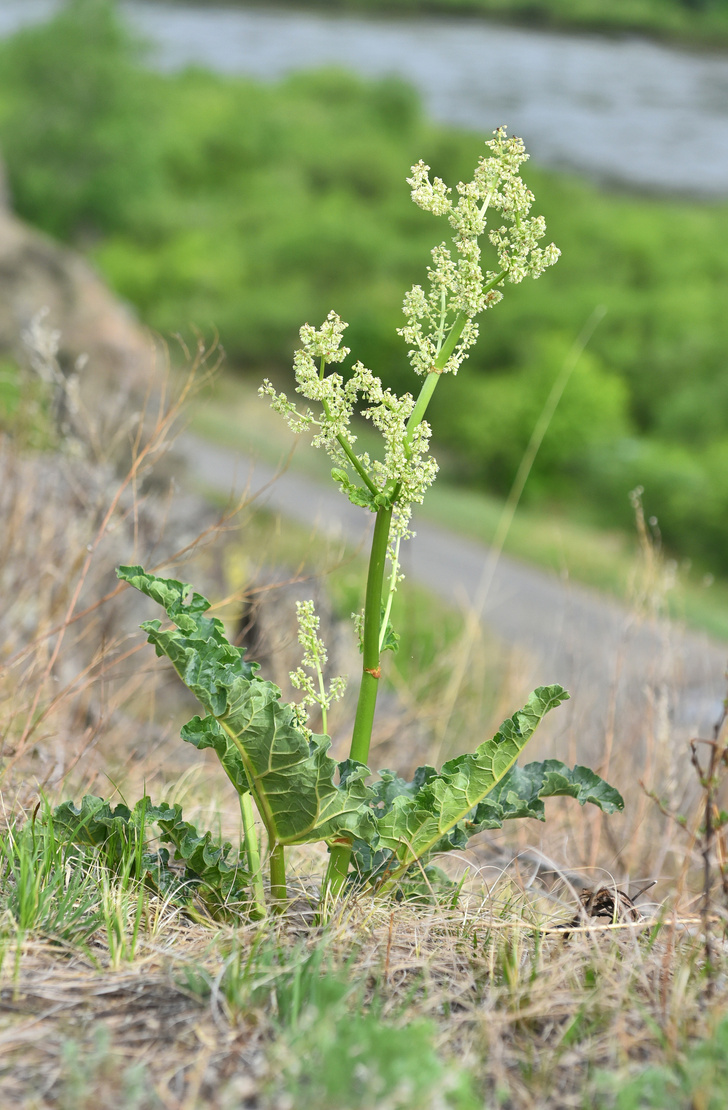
(315, 659)
(458, 288)
(440, 328)
(313, 384)
(406, 465)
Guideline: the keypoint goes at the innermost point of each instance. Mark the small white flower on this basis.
(432, 196)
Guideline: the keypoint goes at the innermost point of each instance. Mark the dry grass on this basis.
(150, 1008)
(530, 1013)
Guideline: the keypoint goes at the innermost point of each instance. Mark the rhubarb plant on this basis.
(379, 831)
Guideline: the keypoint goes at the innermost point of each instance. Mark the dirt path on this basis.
(631, 679)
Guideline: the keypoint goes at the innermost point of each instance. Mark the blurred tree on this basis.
(71, 99)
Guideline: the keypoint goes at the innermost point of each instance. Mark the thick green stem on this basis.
(278, 891)
(364, 720)
(252, 852)
(391, 590)
(335, 878)
(366, 705)
(424, 397)
(277, 858)
(430, 383)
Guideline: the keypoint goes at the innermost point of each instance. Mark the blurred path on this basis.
(635, 678)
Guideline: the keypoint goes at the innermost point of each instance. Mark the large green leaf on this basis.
(256, 736)
(519, 794)
(122, 835)
(438, 811)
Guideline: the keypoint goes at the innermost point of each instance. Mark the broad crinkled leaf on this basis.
(581, 783)
(436, 813)
(200, 650)
(119, 832)
(179, 600)
(417, 823)
(205, 858)
(207, 733)
(94, 821)
(370, 863)
(390, 786)
(520, 794)
(293, 777)
(290, 776)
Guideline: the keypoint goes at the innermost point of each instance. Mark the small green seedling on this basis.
(380, 833)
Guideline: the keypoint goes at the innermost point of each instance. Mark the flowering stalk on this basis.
(440, 329)
(315, 659)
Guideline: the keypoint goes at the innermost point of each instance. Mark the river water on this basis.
(624, 111)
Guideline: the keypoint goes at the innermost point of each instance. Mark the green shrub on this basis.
(72, 95)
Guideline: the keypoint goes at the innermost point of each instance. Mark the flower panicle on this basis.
(404, 465)
(315, 658)
(440, 328)
(459, 288)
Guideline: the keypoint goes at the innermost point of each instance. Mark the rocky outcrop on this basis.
(36, 273)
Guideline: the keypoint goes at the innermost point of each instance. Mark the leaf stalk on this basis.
(252, 853)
